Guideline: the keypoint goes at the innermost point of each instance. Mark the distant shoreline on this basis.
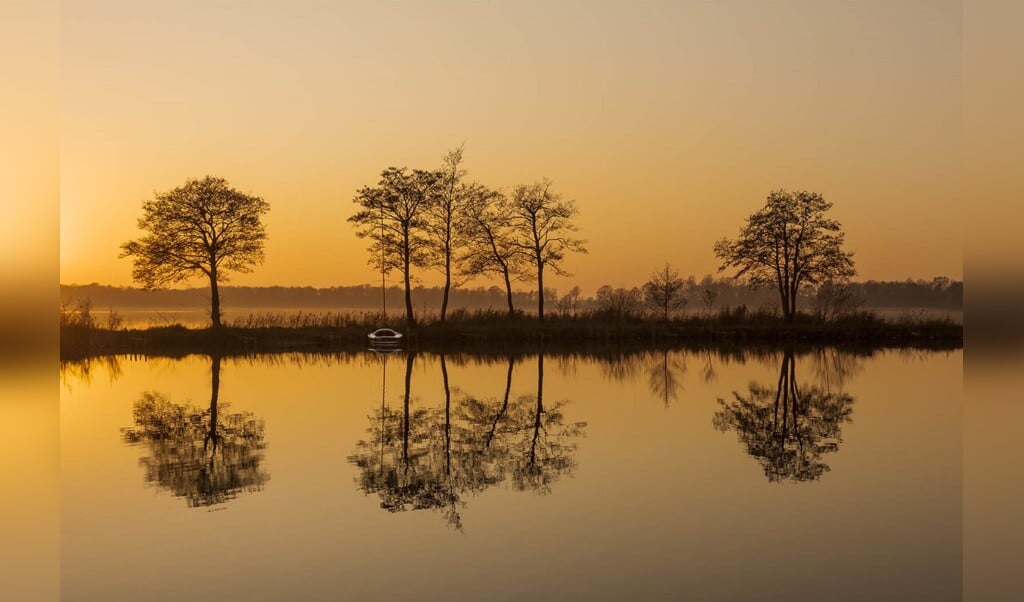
(490, 333)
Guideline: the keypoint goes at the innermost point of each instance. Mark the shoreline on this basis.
(523, 335)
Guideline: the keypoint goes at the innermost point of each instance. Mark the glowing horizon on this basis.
(668, 123)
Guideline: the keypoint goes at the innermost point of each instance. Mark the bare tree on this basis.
(569, 303)
(544, 227)
(445, 215)
(203, 227)
(393, 215)
(619, 302)
(491, 247)
(664, 291)
(789, 243)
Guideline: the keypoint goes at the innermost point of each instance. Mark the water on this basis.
(659, 476)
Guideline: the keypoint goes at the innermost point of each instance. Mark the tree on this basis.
(394, 216)
(491, 247)
(445, 215)
(202, 227)
(619, 302)
(664, 291)
(543, 227)
(789, 243)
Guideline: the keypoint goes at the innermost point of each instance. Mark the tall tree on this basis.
(543, 225)
(789, 243)
(445, 215)
(393, 215)
(490, 242)
(203, 227)
(664, 291)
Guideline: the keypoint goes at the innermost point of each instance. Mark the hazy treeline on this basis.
(939, 293)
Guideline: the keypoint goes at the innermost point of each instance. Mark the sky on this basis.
(667, 122)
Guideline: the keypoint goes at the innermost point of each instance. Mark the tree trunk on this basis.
(410, 319)
(214, 394)
(214, 299)
(447, 283)
(504, 404)
(405, 420)
(447, 418)
(508, 293)
(540, 409)
(540, 291)
(786, 313)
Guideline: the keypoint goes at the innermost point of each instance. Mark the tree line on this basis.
(940, 293)
(439, 219)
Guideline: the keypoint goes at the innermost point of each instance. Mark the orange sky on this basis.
(668, 122)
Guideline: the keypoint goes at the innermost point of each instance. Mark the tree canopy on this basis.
(394, 216)
(790, 243)
(544, 227)
(203, 227)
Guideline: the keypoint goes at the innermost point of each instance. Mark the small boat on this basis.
(385, 337)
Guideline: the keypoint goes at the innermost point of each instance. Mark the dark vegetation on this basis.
(791, 279)
(82, 335)
(938, 294)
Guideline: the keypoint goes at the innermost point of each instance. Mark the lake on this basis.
(669, 475)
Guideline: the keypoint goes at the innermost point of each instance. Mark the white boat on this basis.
(385, 337)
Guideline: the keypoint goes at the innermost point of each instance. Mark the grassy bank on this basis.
(487, 330)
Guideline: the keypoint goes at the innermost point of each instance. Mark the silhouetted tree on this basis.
(664, 292)
(788, 243)
(787, 429)
(619, 302)
(202, 227)
(207, 457)
(544, 229)
(569, 303)
(491, 247)
(394, 216)
(833, 299)
(445, 216)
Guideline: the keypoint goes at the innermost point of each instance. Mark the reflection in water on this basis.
(665, 376)
(206, 456)
(432, 458)
(787, 429)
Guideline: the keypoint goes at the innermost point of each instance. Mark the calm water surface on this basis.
(661, 476)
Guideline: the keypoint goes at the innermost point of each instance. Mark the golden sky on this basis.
(667, 122)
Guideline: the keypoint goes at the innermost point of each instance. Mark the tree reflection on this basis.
(206, 456)
(787, 429)
(665, 376)
(433, 458)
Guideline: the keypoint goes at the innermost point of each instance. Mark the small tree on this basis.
(394, 216)
(490, 247)
(569, 303)
(664, 292)
(203, 227)
(444, 218)
(619, 302)
(790, 244)
(543, 225)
